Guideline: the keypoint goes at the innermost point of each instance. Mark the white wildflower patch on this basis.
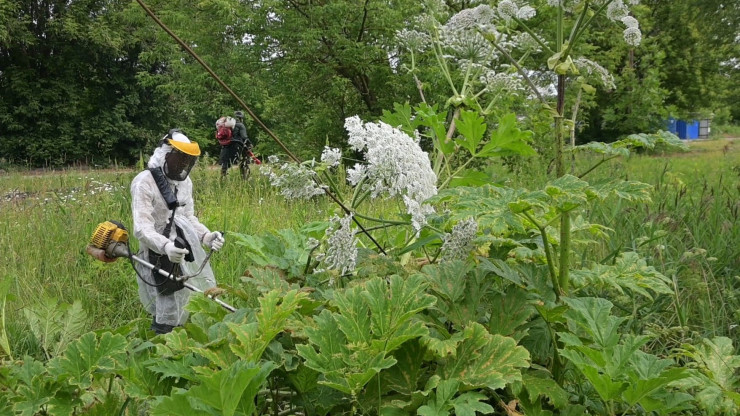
(395, 165)
(331, 156)
(294, 181)
(341, 252)
(458, 243)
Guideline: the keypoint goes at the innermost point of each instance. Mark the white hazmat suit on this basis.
(150, 216)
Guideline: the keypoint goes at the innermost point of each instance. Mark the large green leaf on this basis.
(87, 355)
(472, 127)
(594, 316)
(393, 308)
(436, 122)
(401, 118)
(485, 360)
(716, 378)
(508, 140)
(633, 191)
(539, 384)
(568, 192)
(404, 377)
(488, 204)
(511, 310)
(343, 369)
(629, 272)
(275, 309)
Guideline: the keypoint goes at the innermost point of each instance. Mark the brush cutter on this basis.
(110, 241)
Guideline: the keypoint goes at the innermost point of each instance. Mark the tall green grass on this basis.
(690, 232)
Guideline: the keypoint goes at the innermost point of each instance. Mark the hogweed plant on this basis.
(475, 305)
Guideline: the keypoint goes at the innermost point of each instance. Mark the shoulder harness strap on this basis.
(164, 188)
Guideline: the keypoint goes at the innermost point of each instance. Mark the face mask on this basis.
(177, 165)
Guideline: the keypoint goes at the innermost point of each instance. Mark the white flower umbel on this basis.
(590, 67)
(458, 243)
(331, 156)
(294, 181)
(500, 82)
(413, 40)
(341, 251)
(478, 17)
(632, 33)
(395, 166)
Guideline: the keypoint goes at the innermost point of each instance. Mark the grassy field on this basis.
(690, 232)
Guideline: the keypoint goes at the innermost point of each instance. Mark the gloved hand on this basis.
(175, 254)
(214, 240)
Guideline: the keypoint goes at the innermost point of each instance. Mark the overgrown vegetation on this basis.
(419, 275)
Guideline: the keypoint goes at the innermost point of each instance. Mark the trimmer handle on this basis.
(181, 243)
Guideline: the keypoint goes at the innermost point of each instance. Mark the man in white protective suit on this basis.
(170, 235)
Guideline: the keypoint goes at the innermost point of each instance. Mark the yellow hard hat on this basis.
(180, 142)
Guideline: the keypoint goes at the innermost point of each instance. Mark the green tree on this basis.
(68, 78)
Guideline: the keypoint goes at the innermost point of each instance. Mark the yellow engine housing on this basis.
(108, 232)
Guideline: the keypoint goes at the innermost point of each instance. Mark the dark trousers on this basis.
(229, 156)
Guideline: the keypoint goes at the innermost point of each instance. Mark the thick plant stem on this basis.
(564, 275)
(548, 254)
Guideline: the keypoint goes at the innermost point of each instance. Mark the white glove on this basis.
(175, 254)
(214, 240)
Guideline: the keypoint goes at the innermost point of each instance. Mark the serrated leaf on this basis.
(594, 316)
(176, 369)
(567, 192)
(601, 148)
(436, 122)
(512, 310)
(470, 404)
(393, 307)
(472, 127)
(629, 272)
(405, 375)
(73, 324)
(632, 191)
(488, 204)
(401, 118)
(508, 140)
(485, 360)
(447, 280)
(329, 340)
(717, 378)
(539, 384)
(443, 347)
(89, 354)
(304, 379)
(221, 392)
(178, 405)
(353, 318)
(275, 309)
(470, 177)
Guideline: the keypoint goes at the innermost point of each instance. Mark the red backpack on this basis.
(223, 130)
(223, 135)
